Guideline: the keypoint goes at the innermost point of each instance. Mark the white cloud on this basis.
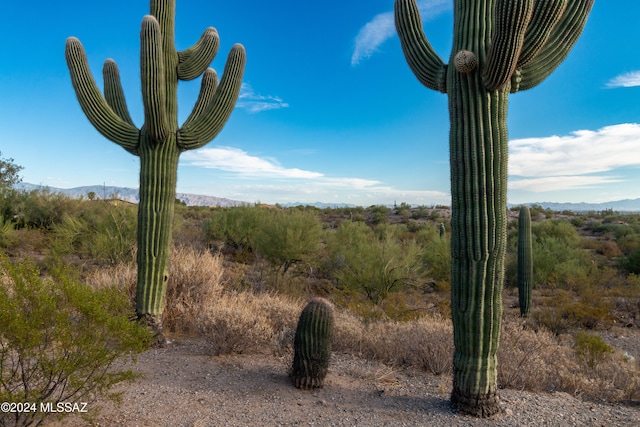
(372, 35)
(255, 103)
(231, 159)
(382, 27)
(570, 162)
(280, 184)
(631, 79)
(559, 183)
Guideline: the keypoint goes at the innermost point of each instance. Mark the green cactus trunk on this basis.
(499, 47)
(525, 261)
(158, 174)
(312, 345)
(160, 140)
(478, 153)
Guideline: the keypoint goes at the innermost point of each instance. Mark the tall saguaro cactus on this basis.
(525, 261)
(499, 47)
(159, 142)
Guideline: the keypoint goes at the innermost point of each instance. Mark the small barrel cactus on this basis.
(312, 344)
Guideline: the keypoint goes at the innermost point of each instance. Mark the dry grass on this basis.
(234, 321)
(194, 282)
(244, 322)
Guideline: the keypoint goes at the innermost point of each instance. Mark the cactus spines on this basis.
(312, 344)
(516, 45)
(525, 261)
(160, 140)
(443, 230)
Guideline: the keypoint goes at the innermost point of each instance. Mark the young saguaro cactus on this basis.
(159, 142)
(525, 261)
(499, 47)
(312, 344)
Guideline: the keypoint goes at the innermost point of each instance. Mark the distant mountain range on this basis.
(627, 205)
(132, 195)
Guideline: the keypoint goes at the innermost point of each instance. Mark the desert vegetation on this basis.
(240, 277)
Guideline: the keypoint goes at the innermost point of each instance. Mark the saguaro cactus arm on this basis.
(546, 14)
(203, 127)
(152, 74)
(94, 105)
(207, 90)
(195, 60)
(113, 92)
(511, 21)
(423, 60)
(559, 43)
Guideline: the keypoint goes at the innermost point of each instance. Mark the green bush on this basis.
(591, 349)
(7, 232)
(559, 259)
(435, 255)
(631, 262)
(36, 209)
(98, 231)
(375, 263)
(287, 237)
(59, 340)
(236, 227)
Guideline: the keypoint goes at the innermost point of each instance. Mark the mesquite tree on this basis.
(159, 142)
(499, 47)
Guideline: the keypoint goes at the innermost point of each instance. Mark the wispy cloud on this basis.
(231, 159)
(574, 161)
(631, 79)
(562, 183)
(281, 184)
(382, 27)
(255, 103)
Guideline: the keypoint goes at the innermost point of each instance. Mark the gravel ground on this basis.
(182, 386)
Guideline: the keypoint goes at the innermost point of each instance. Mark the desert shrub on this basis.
(59, 339)
(7, 233)
(609, 249)
(288, 237)
(559, 260)
(38, 208)
(420, 212)
(98, 231)
(631, 262)
(236, 228)
(526, 357)
(577, 221)
(435, 256)
(404, 209)
(379, 214)
(195, 279)
(562, 310)
(375, 265)
(591, 349)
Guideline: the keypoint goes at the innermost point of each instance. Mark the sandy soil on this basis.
(183, 386)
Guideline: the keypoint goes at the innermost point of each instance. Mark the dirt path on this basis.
(182, 386)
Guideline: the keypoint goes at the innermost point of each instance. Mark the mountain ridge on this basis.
(132, 195)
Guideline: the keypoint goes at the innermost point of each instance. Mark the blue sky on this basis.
(329, 110)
